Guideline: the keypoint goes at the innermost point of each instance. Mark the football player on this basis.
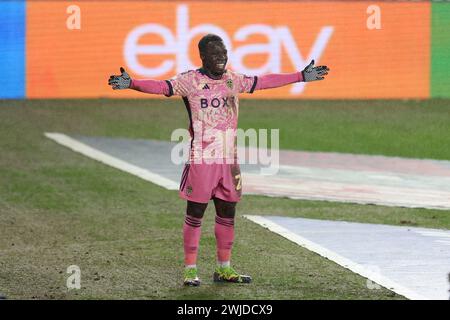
(210, 95)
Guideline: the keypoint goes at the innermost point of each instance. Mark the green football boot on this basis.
(190, 277)
(228, 274)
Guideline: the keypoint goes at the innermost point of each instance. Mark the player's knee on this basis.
(225, 209)
(227, 213)
(195, 209)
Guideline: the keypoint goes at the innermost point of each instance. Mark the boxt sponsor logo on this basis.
(176, 47)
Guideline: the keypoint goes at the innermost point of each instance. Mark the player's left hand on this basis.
(311, 73)
(120, 82)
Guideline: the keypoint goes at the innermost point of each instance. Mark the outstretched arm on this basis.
(275, 80)
(151, 86)
(124, 81)
(310, 73)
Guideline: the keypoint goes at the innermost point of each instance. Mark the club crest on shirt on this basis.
(230, 84)
(189, 190)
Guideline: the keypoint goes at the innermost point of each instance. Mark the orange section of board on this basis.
(158, 40)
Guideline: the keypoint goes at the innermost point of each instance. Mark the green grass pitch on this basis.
(59, 208)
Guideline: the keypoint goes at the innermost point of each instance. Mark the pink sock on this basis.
(191, 234)
(224, 230)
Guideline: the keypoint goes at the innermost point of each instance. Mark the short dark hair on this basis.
(207, 39)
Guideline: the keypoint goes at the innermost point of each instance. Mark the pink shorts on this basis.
(201, 182)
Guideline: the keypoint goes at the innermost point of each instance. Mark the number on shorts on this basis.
(239, 181)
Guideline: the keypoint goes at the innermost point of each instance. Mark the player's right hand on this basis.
(120, 82)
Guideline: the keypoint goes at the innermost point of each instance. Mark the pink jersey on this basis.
(213, 108)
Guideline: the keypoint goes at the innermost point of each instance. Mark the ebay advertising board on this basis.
(70, 49)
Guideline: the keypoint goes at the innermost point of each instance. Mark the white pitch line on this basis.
(342, 200)
(346, 263)
(114, 162)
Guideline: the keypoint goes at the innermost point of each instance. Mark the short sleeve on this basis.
(245, 83)
(181, 84)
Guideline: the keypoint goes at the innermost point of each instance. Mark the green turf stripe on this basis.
(440, 50)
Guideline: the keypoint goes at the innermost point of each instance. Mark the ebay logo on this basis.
(176, 43)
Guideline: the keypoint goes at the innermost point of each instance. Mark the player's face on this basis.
(215, 58)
